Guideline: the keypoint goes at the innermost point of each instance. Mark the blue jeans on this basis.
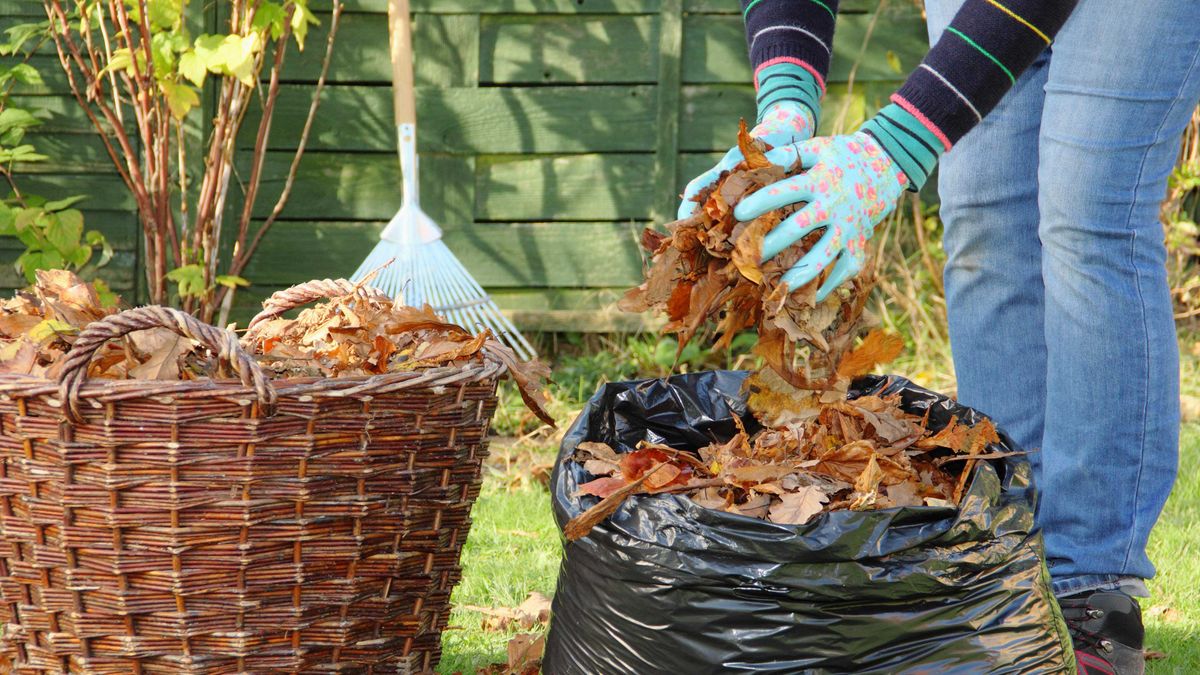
(1060, 316)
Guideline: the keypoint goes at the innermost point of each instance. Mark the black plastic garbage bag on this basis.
(667, 586)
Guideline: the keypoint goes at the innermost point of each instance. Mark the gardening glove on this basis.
(849, 185)
(789, 101)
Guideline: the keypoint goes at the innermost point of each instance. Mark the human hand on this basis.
(850, 184)
(782, 124)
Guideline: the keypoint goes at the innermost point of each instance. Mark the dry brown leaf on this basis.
(753, 152)
(163, 349)
(877, 348)
(797, 508)
(534, 610)
(524, 656)
(579, 526)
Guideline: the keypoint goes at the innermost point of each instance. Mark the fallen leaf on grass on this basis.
(533, 611)
(524, 656)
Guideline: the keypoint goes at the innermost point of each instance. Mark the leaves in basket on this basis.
(355, 335)
(38, 325)
(360, 335)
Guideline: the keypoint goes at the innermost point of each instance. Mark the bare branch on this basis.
(240, 262)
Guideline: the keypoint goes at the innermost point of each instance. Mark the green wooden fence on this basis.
(550, 133)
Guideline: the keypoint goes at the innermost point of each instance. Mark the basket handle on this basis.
(222, 342)
(318, 289)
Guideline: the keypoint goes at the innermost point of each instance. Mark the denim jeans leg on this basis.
(993, 278)
(1122, 83)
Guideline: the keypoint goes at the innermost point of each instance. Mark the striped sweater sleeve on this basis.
(790, 43)
(976, 61)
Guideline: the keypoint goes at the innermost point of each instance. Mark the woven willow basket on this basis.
(234, 526)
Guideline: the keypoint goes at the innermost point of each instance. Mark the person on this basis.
(1057, 123)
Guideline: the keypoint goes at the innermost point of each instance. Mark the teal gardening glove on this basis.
(789, 101)
(849, 185)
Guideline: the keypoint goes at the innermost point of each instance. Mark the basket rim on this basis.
(97, 391)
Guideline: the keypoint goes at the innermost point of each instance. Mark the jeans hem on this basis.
(1130, 585)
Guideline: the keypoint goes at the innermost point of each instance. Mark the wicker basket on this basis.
(234, 526)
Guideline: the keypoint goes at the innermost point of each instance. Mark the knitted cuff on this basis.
(788, 82)
(913, 147)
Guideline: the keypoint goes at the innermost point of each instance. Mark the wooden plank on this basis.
(73, 152)
(572, 187)
(666, 149)
(514, 6)
(445, 51)
(530, 49)
(104, 192)
(715, 47)
(334, 186)
(118, 273)
(533, 49)
(498, 255)
(496, 120)
(709, 113)
(119, 228)
(472, 120)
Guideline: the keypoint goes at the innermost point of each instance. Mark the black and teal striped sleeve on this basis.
(963, 77)
(790, 44)
(977, 60)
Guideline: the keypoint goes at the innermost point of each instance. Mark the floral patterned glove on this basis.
(850, 185)
(788, 103)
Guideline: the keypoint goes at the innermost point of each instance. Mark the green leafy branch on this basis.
(139, 74)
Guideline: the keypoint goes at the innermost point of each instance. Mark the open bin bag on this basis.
(668, 586)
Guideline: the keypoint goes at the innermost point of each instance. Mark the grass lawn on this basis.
(514, 549)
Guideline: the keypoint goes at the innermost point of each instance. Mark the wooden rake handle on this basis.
(310, 291)
(400, 42)
(222, 342)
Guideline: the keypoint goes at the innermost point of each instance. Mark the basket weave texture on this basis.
(234, 526)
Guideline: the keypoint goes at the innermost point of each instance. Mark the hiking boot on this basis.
(1106, 627)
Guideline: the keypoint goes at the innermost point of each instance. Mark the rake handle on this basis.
(310, 291)
(222, 342)
(400, 43)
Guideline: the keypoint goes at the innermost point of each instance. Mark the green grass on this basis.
(1172, 614)
(514, 549)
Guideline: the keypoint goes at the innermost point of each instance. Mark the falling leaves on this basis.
(708, 277)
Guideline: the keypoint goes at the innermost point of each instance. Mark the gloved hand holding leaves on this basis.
(848, 185)
(788, 106)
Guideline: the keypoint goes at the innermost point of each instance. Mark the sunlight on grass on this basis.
(512, 550)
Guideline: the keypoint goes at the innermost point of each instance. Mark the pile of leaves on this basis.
(38, 325)
(359, 334)
(707, 276)
(813, 450)
(356, 335)
(862, 454)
